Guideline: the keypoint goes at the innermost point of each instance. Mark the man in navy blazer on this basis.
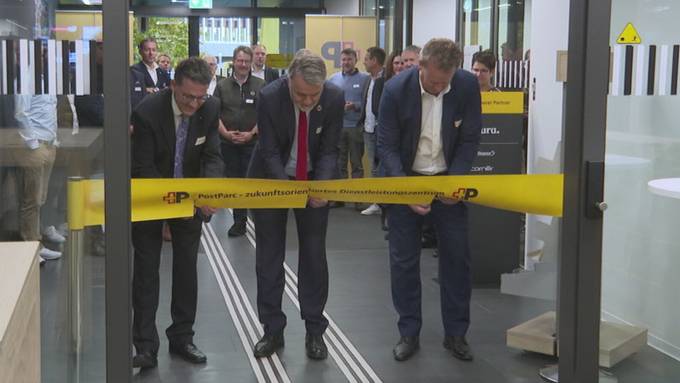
(300, 105)
(155, 78)
(430, 124)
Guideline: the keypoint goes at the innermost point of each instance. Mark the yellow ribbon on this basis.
(177, 197)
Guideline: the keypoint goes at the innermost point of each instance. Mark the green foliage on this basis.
(172, 35)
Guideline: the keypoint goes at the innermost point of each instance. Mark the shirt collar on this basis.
(352, 73)
(152, 67)
(423, 91)
(175, 109)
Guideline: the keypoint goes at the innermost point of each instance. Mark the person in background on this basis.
(430, 124)
(484, 67)
(238, 124)
(300, 118)
(259, 60)
(175, 136)
(374, 59)
(212, 63)
(410, 56)
(165, 63)
(351, 81)
(36, 116)
(155, 78)
(393, 65)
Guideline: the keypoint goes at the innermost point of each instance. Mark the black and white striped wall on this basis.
(49, 67)
(645, 70)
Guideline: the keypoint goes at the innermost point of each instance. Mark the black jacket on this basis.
(153, 140)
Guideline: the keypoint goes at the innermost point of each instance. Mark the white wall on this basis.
(342, 7)
(433, 18)
(549, 33)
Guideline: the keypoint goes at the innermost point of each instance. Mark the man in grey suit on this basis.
(300, 105)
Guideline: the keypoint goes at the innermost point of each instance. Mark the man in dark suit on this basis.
(430, 124)
(301, 105)
(259, 69)
(155, 78)
(175, 136)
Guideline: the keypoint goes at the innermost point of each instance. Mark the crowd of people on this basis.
(412, 113)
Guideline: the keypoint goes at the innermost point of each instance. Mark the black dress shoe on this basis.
(316, 347)
(145, 360)
(188, 352)
(237, 229)
(268, 345)
(407, 346)
(459, 347)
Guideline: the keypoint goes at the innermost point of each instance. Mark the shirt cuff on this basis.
(33, 144)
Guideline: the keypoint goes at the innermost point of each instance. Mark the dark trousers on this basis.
(236, 159)
(352, 147)
(147, 241)
(270, 234)
(450, 223)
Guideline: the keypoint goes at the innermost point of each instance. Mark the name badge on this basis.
(355, 86)
(200, 140)
(249, 101)
(138, 89)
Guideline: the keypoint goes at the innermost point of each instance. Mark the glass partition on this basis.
(642, 189)
(51, 129)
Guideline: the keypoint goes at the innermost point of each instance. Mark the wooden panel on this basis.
(19, 313)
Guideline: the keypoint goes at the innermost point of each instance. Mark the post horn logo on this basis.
(175, 197)
(465, 193)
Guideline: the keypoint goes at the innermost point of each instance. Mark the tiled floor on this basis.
(359, 303)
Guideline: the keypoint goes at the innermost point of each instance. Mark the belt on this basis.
(46, 143)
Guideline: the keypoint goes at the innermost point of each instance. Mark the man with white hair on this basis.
(299, 120)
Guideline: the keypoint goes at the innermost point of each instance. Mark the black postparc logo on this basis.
(175, 197)
(465, 194)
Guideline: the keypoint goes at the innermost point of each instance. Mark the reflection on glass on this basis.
(282, 37)
(511, 30)
(477, 23)
(51, 125)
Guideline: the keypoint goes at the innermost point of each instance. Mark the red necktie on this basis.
(301, 166)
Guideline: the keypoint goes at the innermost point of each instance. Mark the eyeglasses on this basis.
(188, 98)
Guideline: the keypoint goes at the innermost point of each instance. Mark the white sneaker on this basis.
(48, 254)
(371, 210)
(50, 234)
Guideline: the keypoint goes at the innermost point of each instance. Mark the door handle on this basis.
(595, 207)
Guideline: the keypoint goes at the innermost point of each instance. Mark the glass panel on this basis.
(511, 30)
(640, 246)
(171, 34)
(368, 8)
(51, 128)
(477, 23)
(282, 37)
(184, 3)
(386, 24)
(288, 4)
(218, 36)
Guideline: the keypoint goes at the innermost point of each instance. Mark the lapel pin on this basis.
(252, 92)
(318, 108)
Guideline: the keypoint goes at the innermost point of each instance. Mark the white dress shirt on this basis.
(152, 72)
(429, 158)
(291, 166)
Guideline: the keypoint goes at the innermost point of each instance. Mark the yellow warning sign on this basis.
(629, 35)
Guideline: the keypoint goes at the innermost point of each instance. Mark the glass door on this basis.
(639, 337)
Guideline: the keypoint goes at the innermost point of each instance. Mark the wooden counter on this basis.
(19, 312)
